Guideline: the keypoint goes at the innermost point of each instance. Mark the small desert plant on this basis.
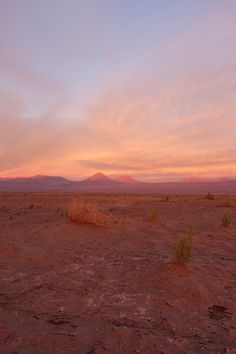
(152, 214)
(225, 220)
(209, 196)
(183, 249)
(82, 212)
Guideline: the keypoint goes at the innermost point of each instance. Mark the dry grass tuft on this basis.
(183, 249)
(82, 212)
(226, 220)
(152, 214)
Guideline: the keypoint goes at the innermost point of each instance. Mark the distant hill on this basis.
(34, 183)
(101, 179)
(197, 180)
(207, 180)
(98, 179)
(126, 179)
(101, 183)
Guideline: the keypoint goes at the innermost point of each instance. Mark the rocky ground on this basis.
(71, 288)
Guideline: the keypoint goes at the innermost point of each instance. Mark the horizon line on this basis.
(187, 179)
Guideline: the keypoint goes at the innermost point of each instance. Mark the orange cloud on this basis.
(186, 127)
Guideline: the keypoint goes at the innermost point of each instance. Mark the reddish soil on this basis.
(71, 288)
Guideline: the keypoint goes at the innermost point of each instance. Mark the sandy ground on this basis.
(71, 289)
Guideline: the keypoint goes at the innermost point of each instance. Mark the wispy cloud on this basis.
(165, 106)
(187, 128)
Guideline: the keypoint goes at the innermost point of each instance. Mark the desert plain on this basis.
(76, 288)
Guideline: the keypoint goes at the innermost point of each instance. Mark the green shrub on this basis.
(183, 249)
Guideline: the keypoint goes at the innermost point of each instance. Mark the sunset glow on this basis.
(141, 88)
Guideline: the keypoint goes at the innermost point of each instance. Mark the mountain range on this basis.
(123, 184)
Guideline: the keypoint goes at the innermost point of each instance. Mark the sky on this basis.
(127, 87)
